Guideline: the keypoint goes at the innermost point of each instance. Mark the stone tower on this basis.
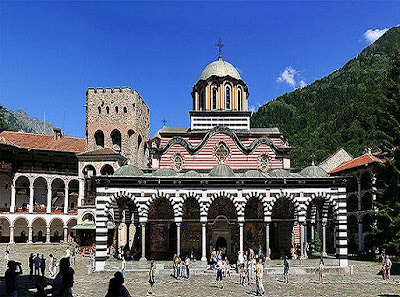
(119, 119)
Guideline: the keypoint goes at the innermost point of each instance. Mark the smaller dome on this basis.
(253, 173)
(128, 170)
(279, 173)
(314, 171)
(221, 170)
(164, 172)
(192, 173)
(220, 68)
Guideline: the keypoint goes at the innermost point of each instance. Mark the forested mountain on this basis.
(19, 120)
(340, 110)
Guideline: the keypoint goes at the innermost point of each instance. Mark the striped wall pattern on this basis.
(106, 204)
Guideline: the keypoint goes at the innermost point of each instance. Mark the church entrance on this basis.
(221, 245)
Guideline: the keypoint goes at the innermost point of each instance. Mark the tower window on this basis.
(130, 133)
(107, 109)
(125, 110)
(99, 138)
(239, 99)
(214, 96)
(99, 109)
(116, 140)
(202, 100)
(116, 109)
(228, 97)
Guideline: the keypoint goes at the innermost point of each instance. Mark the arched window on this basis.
(108, 109)
(107, 170)
(99, 109)
(227, 97)
(116, 109)
(116, 140)
(125, 110)
(139, 141)
(202, 100)
(99, 138)
(214, 96)
(239, 99)
(130, 133)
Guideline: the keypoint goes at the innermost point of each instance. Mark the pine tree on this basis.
(388, 174)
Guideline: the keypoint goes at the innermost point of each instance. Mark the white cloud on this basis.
(302, 83)
(372, 35)
(288, 76)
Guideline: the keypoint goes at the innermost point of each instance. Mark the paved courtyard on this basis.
(364, 281)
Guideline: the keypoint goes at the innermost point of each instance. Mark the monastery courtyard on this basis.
(363, 282)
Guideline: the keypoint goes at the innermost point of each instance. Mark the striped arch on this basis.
(328, 201)
(154, 197)
(112, 204)
(187, 196)
(259, 196)
(239, 206)
(285, 195)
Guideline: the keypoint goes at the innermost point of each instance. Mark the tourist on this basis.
(37, 262)
(93, 259)
(259, 277)
(240, 260)
(152, 274)
(242, 274)
(42, 265)
(73, 257)
(213, 258)
(7, 253)
(11, 278)
(123, 267)
(219, 274)
(123, 291)
(187, 262)
(259, 251)
(286, 266)
(174, 265)
(388, 266)
(67, 253)
(227, 268)
(377, 254)
(321, 270)
(248, 271)
(63, 282)
(31, 264)
(52, 265)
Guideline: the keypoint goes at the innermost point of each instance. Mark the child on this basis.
(242, 274)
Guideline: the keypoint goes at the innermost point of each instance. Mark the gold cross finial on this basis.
(219, 45)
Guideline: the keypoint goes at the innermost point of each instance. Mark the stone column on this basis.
(31, 192)
(241, 236)
(30, 234)
(267, 251)
(204, 242)
(143, 226)
(47, 234)
(11, 234)
(65, 234)
(66, 198)
(312, 236)
(360, 236)
(81, 191)
(48, 206)
(303, 254)
(13, 194)
(178, 238)
(324, 238)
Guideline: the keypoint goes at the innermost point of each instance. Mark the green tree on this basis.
(388, 174)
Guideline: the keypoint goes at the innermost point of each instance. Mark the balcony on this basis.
(4, 209)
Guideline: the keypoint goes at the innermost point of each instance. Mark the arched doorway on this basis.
(191, 229)
(73, 193)
(57, 195)
(56, 230)
(222, 218)
(254, 235)
(221, 244)
(5, 230)
(22, 188)
(39, 230)
(71, 232)
(161, 230)
(5, 192)
(40, 195)
(20, 230)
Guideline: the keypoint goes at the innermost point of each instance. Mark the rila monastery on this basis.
(218, 184)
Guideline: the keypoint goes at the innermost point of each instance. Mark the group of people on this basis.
(37, 264)
(181, 269)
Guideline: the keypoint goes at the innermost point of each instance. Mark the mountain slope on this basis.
(340, 110)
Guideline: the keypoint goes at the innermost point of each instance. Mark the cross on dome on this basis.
(219, 45)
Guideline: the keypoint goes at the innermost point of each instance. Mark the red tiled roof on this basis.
(356, 162)
(102, 151)
(42, 142)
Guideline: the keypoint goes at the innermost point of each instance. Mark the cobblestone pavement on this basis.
(364, 281)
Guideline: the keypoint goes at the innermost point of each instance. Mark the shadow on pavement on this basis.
(29, 286)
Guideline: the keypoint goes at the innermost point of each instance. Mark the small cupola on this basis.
(57, 133)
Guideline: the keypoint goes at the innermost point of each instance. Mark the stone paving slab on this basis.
(364, 282)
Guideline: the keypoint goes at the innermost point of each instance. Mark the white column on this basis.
(312, 235)
(178, 238)
(47, 234)
(302, 247)
(203, 241)
(65, 234)
(324, 238)
(30, 234)
(66, 198)
(11, 234)
(13, 194)
(360, 236)
(48, 206)
(241, 236)
(81, 191)
(31, 193)
(143, 226)
(267, 252)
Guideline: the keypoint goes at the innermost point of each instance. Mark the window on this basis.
(139, 141)
(116, 109)
(214, 96)
(177, 162)
(99, 109)
(239, 99)
(264, 162)
(107, 109)
(202, 100)
(125, 110)
(116, 140)
(130, 133)
(228, 97)
(99, 138)
(221, 152)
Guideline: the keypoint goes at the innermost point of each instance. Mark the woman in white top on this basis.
(321, 271)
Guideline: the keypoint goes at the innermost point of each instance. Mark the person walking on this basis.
(187, 263)
(42, 265)
(321, 271)
(123, 267)
(388, 266)
(152, 275)
(242, 274)
(37, 262)
(259, 278)
(51, 266)
(7, 253)
(11, 278)
(31, 257)
(174, 265)
(73, 258)
(219, 274)
(286, 266)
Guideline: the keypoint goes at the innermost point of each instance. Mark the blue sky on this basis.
(51, 52)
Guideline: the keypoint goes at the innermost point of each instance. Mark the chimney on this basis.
(57, 133)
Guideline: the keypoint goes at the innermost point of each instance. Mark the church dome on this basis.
(253, 173)
(279, 173)
(192, 173)
(313, 171)
(164, 172)
(128, 170)
(221, 170)
(220, 68)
